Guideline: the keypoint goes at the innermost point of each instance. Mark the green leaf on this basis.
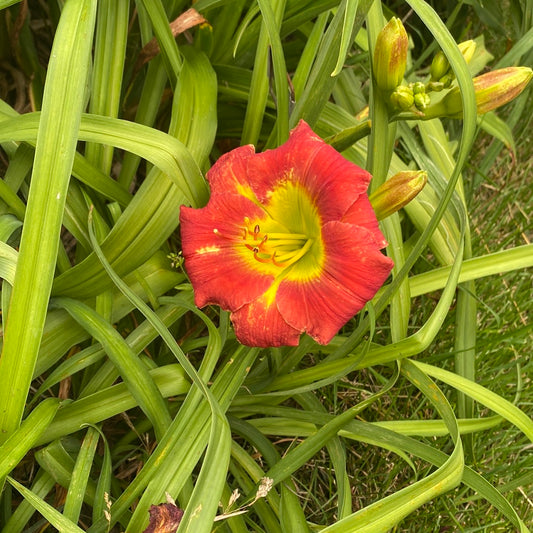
(132, 370)
(80, 476)
(54, 155)
(498, 128)
(56, 519)
(24, 438)
(350, 12)
(484, 396)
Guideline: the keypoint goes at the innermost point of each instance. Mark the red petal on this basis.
(259, 324)
(229, 174)
(361, 213)
(353, 272)
(332, 182)
(216, 266)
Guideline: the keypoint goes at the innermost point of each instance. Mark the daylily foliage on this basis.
(288, 241)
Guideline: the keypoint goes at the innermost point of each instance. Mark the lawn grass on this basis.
(329, 424)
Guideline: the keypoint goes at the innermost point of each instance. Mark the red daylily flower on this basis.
(288, 241)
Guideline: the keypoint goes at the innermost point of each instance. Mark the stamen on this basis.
(261, 259)
(291, 257)
(288, 236)
(279, 249)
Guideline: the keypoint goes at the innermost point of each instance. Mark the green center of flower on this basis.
(287, 242)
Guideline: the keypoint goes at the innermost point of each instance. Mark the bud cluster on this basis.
(405, 97)
(492, 89)
(440, 71)
(415, 96)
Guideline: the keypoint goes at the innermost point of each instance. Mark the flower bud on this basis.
(419, 87)
(492, 89)
(435, 86)
(397, 192)
(402, 98)
(439, 66)
(447, 80)
(467, 48)
(422, 100)
(390, 55)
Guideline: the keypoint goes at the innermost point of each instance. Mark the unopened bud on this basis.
(435, 86)
(440, 70)
(439, 66)
(468, 49)
(402, 98)
(419, 87)
(492, 90)
(422, 100)
(447, 80)
(397, 192)
(390, 55)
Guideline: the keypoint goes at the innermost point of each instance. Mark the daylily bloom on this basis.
(288, 241)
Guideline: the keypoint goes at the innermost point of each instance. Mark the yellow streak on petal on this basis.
(247, 192)
(208, 250)
(270, 293)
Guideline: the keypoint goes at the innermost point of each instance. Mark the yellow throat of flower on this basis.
(287, 241)
(280, 249)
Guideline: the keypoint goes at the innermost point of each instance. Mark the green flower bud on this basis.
(390, 55)
(435, 86)
(422, 100)
(439, 66)
(419, 87)
(397, 192)
(492, 89)
(447, 80)
(402, 98)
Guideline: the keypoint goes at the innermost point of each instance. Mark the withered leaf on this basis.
(164, 518)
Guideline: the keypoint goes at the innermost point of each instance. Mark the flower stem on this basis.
(381, 146)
